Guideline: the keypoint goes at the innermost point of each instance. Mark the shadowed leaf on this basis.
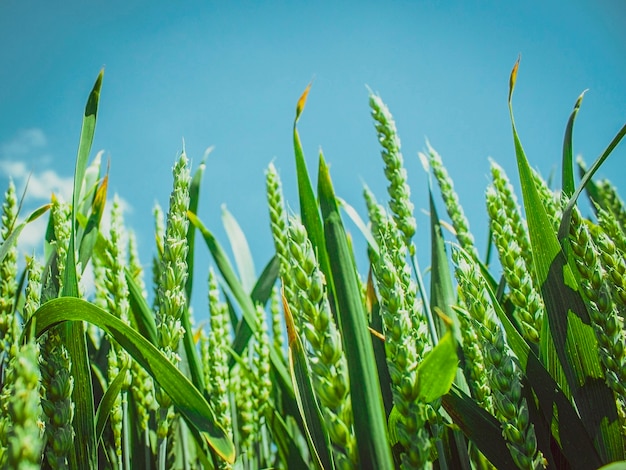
(189, 402)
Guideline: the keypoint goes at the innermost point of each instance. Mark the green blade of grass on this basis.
(437, 370)
(265, 283)
(86, 139)
(232, 281)
(90, 183)
(568, 151)
(91, 226)
(378, 343)
(308, 205)
(592, 190)
(442, 294)
(189, 402)
(243, 299)
(108, 401)
(442, 297)
(191, 357)
(369, 421)
(286, 443)
(142, 317)
(73, 333)
(567, 212)
(619, 465)
(73, 336)
(309, 211)
(567, 316)
(240, 249)
(360, 223)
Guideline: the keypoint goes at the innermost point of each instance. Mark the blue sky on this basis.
(228, 74)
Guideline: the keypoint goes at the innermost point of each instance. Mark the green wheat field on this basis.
(513, 360)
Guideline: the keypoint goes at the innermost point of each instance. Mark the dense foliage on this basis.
(313, 364)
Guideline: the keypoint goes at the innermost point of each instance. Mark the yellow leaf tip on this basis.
(302, 100)
(513, 77)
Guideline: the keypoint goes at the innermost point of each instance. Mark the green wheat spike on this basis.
(398, 188)
(517, 271)
(117, 303)
(597, 268)
(512, 212)
(504, 376)
(278, 226)
(170, 296)
(315, 321)
(451, 201)
(610, 199)
(8, 278)
(216, 357)
(403, 346)
(21, 402)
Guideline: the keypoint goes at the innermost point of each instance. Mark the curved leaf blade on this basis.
(241, 250)
(189, 402)
(243, 299)
(108, 401)
(568, 150)
(567, 317)
(567, 212)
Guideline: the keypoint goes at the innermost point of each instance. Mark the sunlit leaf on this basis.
(436, 372)
(568, 151)
(241, 250)
(73, 333)
(369, 419)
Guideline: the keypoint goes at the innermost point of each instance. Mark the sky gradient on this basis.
(228, 75)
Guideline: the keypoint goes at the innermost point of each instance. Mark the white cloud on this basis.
(30, 240)
(23, 143)
(23, 159)
(41, 184)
